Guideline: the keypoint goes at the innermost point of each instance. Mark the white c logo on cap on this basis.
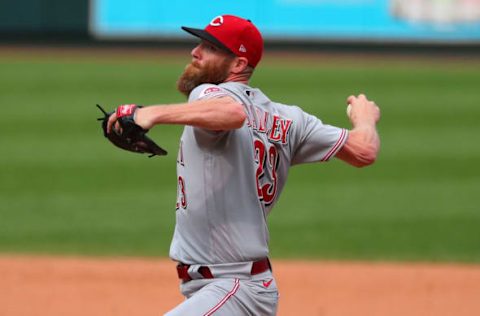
(217, 21)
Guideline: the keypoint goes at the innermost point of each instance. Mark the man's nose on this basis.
(196, 52)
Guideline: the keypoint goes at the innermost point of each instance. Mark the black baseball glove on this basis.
(129, 136)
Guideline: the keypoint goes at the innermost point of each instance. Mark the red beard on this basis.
(194, 75)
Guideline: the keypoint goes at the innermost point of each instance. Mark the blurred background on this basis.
(65, 190)
(367, 21)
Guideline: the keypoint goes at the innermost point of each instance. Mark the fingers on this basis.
(361, 110)
(361, 98)
(117, 128)
(354, 99)
(111, 120)
(351, 99)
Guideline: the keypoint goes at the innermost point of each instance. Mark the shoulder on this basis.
(293, 112)
(207, 91)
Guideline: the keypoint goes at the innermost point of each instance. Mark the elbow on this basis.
(365, 158)
(364, 162)
(237, 116)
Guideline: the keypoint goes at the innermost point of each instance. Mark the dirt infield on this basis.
(75, 286)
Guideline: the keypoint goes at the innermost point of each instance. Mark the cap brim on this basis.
(205, 36)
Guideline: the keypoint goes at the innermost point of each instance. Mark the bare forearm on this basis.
(362, 146)
(214, 114)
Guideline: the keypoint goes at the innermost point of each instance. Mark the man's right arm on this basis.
(222, 113)
(363, 143)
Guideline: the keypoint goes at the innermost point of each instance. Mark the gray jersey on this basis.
(228, 181)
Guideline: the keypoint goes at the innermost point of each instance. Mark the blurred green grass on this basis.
(65, 190)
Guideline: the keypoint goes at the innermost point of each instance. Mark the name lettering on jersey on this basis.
(279, 130)
(274, 126)
(263, 118)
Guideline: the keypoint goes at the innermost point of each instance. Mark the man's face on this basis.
(210, 64)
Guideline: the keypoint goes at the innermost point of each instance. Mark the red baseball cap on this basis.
(234, 34)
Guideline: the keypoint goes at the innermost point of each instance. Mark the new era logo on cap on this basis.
(235, 34)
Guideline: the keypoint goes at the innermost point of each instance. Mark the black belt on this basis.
(257, 268)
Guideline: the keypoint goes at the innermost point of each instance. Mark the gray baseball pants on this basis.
(256, 295)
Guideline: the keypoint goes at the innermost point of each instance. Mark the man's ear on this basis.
(239, 65)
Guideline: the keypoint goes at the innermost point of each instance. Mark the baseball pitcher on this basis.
(233, 160)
